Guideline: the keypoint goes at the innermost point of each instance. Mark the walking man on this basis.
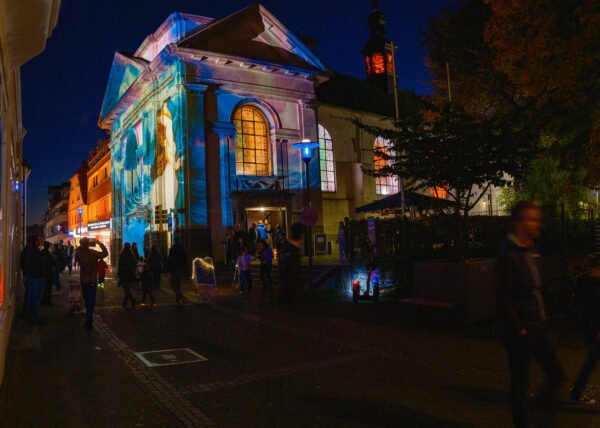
(523, 315)
(32, 266)
(88, 275)
(176, 265)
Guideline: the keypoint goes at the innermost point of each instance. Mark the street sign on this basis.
(308, 217)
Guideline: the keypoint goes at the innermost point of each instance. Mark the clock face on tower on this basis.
(377, 63)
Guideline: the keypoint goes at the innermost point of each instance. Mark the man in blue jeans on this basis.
(33, 270)
(88, 274)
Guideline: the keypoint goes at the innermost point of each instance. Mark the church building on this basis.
(203, 118)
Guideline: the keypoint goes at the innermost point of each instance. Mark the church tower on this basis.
(379, 52)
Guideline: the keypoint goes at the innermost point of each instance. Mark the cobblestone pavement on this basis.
(323, 363)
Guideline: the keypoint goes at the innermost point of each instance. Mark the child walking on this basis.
(243, 264)
(147, 280)
(102, 266)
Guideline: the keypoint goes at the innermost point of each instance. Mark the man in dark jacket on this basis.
(155, 263)
(177, 266)
(32, 266)
(291, 265)
(522, 312)
(49, 266)
(126, 273)
(589, 295)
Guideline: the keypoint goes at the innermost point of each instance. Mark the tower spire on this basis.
(379, 52)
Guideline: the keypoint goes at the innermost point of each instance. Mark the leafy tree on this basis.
(448, 148)
(551, 49)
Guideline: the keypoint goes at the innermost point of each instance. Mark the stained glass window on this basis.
(386, 185)
(252, 142)
(327, 165)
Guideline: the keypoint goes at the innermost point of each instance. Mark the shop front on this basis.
(100, 231)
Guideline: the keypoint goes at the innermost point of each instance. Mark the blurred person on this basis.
(126, 274)
(523, 314)
(155, 263)
(48, 262)
(134, 250)
(147, 284)
(177, 267)
(291, 266)
(88, 275)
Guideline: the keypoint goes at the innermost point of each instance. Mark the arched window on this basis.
(326, 158)
(252, 142)
(386, 185)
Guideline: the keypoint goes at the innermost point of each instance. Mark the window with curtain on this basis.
(386, 185)
(252, 142)
(327, 164)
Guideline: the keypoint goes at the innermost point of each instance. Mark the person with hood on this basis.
(88, 274)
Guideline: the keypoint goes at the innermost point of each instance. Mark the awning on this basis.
(412, 199)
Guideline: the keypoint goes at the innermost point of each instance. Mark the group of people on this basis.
(525, 332)
(41, 269)
(265, 245)
(146, 271)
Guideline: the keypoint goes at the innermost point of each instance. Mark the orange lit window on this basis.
(252, 142)
(438, 192)
(389, 64)
(368, 63)
(378, 64)
(386, 185)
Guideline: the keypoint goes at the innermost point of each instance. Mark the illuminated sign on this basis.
(99, 225)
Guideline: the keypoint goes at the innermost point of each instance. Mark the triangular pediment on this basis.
(124, 72)
(256, 34)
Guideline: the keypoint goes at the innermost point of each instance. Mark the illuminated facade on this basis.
(99, 197)
(78, 205)
(55, 217)
(24, 28)
(202, 118)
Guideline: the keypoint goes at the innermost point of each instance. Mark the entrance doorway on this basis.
(271, 217)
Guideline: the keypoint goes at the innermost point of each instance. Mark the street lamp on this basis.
(308, 217)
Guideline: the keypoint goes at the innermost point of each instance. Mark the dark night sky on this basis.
(63, 87)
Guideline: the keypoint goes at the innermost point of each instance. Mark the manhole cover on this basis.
(169, 357)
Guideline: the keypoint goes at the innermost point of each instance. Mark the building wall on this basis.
(187, 112)
(31, 23)
(77, 222)
(353, 148)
